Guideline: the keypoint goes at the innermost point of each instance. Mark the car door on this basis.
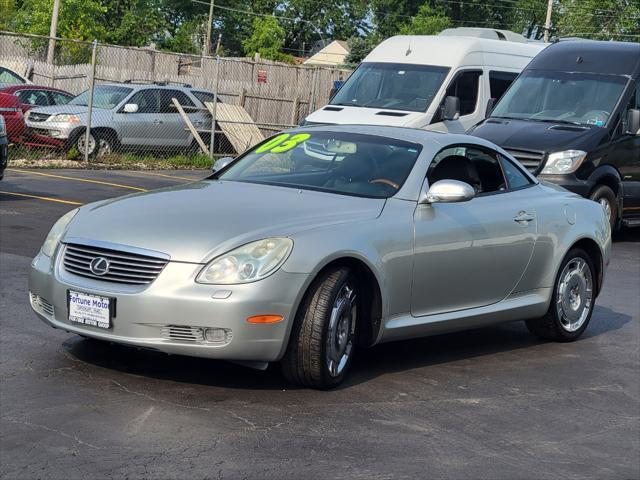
(625, 156)
(171, 124)
(472, 254)
(468, 86)
(139, 128)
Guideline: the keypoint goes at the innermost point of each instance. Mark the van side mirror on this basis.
(490, 104)
(131, 108)
(447, 191)
(221, 163)
(633, 121)
(451, 109)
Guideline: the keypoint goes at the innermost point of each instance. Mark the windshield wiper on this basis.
(550, 120)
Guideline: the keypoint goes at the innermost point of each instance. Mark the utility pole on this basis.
(218, 44)
(209, 26)
(53, 31)
(547, 23)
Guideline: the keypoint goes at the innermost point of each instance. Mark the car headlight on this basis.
(564, 162)
(65, 118)
(3, 127)
(56, 232)
(251, 262)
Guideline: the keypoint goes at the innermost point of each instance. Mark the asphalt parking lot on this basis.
(490, 403)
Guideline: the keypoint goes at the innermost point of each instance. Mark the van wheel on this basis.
(323, 338)
(572, 301)
(605, 197)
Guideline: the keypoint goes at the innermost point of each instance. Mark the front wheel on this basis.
(322, 341)
(100, 144)
(572, 302)
(607, 199)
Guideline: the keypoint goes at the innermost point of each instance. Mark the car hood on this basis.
(539, 136)
(55, 109)
(340, 114)
(198, 221)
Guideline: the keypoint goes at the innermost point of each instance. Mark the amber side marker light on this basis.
(265, 319)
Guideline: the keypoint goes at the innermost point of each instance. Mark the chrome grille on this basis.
(183, 333)
(38, 117)
(41, 304)
(124, 267)
(532, 161)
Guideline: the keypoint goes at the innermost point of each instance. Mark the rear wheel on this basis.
(572, 302)
(605, 197)
(322, 341)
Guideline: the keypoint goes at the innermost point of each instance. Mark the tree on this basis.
(428, 21)
(267, 39)
(78, 20)
(124, 25)
(599, 19)
(359, 47)
(7, 12)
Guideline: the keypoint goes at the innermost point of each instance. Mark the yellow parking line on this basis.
(100, 182)
(48, 199)
(176, 177)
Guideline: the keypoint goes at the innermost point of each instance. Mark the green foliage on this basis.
(7, 12)
(427, 21)
(267, 39)
(187, 38)
(599, 19)
(360, 47)
(133, 22)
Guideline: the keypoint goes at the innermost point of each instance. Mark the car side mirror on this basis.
(131, 108)
(448, 191)
(633, 121)
(221, 163)
(451, 108)
(490, 104)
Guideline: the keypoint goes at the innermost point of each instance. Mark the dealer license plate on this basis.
(92, 310)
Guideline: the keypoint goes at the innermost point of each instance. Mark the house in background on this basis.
(332, 55)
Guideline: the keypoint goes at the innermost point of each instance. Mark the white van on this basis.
(438, 82)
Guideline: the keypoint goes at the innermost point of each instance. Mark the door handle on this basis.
(524, 217)
(158, 122)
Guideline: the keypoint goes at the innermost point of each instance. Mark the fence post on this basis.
(213, 111)
(242, 98)
(314, 91)
(92, 81)
(294, 111)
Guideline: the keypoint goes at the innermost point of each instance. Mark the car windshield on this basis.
(7, 76)
(581, 98)
(393, 86)
(337, 162)
(104, 96)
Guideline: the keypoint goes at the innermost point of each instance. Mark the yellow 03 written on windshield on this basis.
(282, 143)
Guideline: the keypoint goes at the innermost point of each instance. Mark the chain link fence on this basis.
(109, 104)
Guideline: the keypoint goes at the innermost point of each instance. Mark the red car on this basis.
(16, 99)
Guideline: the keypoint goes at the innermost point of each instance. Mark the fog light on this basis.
(55, 133)
(217, 335)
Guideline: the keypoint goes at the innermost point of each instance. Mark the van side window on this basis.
(465, 87)
(499, 82)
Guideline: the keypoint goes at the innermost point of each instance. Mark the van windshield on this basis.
(393, 86)
(580, 98)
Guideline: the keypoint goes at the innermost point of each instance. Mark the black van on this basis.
(572, 117)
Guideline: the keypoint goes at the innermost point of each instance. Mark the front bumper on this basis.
(143, 316)
(54, 134)
(570, 182)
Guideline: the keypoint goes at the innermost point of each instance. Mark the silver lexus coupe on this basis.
(322, 240)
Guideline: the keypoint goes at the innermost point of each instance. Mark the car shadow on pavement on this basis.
(370, 363)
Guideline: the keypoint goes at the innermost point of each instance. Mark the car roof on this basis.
(589, 56)
(450, 51)
(5, 88)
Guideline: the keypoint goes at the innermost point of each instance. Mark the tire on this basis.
(572, 302)
(105, 141)
(605, 196)
(323, 338)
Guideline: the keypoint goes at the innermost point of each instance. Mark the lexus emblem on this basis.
(99, 266)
